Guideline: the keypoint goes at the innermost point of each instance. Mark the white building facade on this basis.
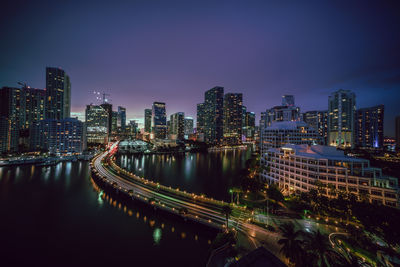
(297, 168)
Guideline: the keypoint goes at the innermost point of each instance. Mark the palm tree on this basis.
(227, 211)
(291, 244)
(320, 249)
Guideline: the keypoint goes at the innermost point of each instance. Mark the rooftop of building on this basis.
(318, 152)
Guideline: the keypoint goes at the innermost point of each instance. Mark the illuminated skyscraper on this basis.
(67, 97)
(233, 115)
(341, 111)
(58, 94)
(188, 125)
(147, 120)
(121, 121)
(58, 136)
(287, 112)
(319, 121)
(213, 115)
(200, 118)
(114, 122)
(108, 108)
(369, 127)
(159, 120)
(96, 122)
(177, 126)
(249, 125)
(20, 108)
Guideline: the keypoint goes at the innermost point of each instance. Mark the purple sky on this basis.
(173, 51)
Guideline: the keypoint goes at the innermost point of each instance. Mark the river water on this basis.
(58, 216)
(211, 173)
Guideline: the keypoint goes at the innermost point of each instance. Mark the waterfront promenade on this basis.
(190, 206)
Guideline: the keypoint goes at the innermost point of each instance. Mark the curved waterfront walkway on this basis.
(190, 206)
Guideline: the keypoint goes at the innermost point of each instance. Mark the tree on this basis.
(274, 193)
(291, 244)
(318, 246)
(227, 211)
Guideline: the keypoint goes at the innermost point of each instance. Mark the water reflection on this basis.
(67, 190)
(157, 235)
(209, 173)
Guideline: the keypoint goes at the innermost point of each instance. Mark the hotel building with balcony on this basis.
(297, 168)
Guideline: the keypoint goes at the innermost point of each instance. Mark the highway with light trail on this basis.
(199, 208)
(190, 206)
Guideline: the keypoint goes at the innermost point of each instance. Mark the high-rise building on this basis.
(369, 127)
(288, 100)
(63, 136)
(200, 118)
(397, 126)
(114, 122)
(319, 121)
(233, 115)
(311, 118)
(133, 127)
(262, 126)
(213, 119)
(108, 108)
(147, 120)
(96, 122)
(177, 126)
(20, 108)
(121, 121)
(67, 97)
(341, 111)
(323, 126)
(281, 133)
(189, 125)
(249, 125)
(287, 112)
(159, 120)
(244, 113)
(10, 112)
(35, 108)
(58, 94)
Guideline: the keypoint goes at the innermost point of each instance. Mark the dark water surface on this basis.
(58, 216)
(55, 217)
(209, 173)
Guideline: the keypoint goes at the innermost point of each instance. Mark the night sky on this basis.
(146, 51)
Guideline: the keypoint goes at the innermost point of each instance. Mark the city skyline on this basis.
(200, 133)
(127, 49)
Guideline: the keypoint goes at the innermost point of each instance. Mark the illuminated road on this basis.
(188, 205)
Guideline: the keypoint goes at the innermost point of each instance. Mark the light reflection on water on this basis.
(157, 235)
(203, 173)
(66, 190)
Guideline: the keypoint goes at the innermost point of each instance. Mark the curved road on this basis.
(199, 208)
